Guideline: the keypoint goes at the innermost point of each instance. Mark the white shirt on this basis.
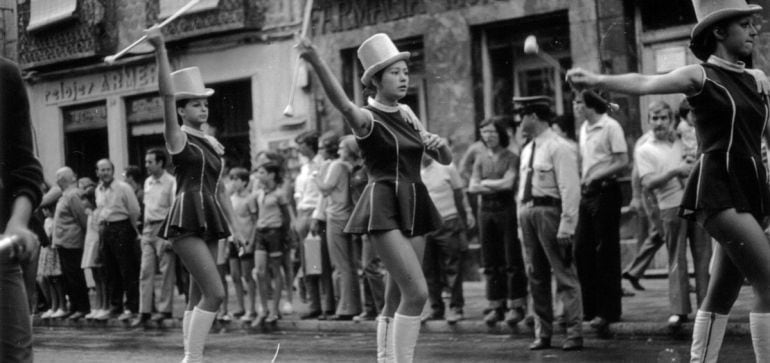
(441, 182)
(555, 168)
(158, 196)
(598, 143)
(306, 192)
(655, 157)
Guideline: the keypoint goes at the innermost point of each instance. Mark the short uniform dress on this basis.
(730, 117)
(196, 210)
(395, 197)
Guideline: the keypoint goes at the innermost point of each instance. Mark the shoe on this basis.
(76, 316)
(287, 308)
(341, 317)
(540, 344)
(258, 321)
(627, 293)
(59, 314)
(599, 324)
(272, 319)
(365, 316)
(493, 317)
(572, 344)
(90, 315)
(47, 314)
(246, 318)
(159, 317)
(126, 316)
(454, 315)
(634, 281)
(675, 321)
(102, 315)
(433, 315)
(238, 314)
(225, 318)
(514, 316)
(310, 315)
(140, 321)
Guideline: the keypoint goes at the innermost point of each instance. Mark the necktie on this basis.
(527, 196)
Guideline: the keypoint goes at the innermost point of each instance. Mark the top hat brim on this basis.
(188, 95)
(371, 71)
(720, 15)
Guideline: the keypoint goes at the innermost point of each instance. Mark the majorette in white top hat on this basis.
(376, 54)
(188, 83)
(710, 12)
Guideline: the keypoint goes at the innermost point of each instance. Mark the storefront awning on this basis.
(46, 12)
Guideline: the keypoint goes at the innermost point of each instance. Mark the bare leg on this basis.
(403, 259)
(260, 264)
(276, 268)
(246, 266)
(237, 275)
(206, 288)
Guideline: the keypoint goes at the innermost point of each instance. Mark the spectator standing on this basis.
(70, 224)
(241, 257)
(604, 156)
(49, 274)
(334, 185)
(118, 214)
(306, 193)
(493, 178)
(157, 254)
(549, 198)
(445, 248)
(92, 259)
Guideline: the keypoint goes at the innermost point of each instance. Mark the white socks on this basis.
(707, 335)
(406, 329)
(186, 328)
(200, 324)
(384, 339)
(759, 324)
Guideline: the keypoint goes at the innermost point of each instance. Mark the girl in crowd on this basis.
(727, 191)
(49, 271)
(334, 184)
(201, 213)
(271, 242)
(395, 209)
(91, 260)
(241, 256)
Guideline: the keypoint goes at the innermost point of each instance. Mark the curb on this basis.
(620, 329)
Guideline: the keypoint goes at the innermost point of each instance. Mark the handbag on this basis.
(312, 254)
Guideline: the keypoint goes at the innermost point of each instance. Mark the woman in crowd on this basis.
(201, 213)
(395, 209)
(727, 192)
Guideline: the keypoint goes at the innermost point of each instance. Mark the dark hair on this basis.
(595, 101)
(500, 123)
(542, 112)
(181, 104)
(331, 144)
(309, 138)
(370, 89)
(274, 168)
(133, 172)
(89, 194)
(705, 43)
(566, 123)
(159, 155)
(239, 173)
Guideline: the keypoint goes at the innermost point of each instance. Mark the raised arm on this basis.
(688, 80)
(173, 133)
(355, 118)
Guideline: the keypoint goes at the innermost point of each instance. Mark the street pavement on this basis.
(68, 344)
(644, 315)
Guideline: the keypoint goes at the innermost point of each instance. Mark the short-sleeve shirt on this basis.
(158, 196)
(442, 181)
(598, 143)
(655, 157)
(244, 209)
(269, 204)
(494, 166)
(338, 204)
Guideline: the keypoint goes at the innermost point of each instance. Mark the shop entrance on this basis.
(85, 138)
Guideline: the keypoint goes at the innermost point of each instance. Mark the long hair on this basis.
(500, 123)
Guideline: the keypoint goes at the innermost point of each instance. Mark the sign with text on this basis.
(333, 16)
(124, 79)
(85, 117)
(144, 109)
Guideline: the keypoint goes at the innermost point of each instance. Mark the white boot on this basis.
(186, 329)
(406, 329)
(707, 335)
(384, 339)
(759, 324)
(200, 324)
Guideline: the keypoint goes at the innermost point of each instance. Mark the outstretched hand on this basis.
(154, 36)
(580, 78)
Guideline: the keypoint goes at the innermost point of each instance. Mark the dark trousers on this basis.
(442, 264)
(122, 257)
(74, 279)
(373, 277)
(501, 257)
(597, 251)
(15, 323)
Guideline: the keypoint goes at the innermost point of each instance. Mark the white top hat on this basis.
(710, 12)
(377, 53)
(188, 83)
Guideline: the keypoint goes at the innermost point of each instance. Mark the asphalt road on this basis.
(117, 345)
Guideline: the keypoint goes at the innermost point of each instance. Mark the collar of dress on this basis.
(382, 107)
(739, 66)
(210, 139)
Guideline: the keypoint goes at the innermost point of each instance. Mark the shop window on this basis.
(416, 94)
(144, 114)
(47, 12)
(660, 14)
(85, 137)
(168, 7)
(230, 111)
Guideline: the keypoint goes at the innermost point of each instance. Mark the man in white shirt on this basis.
(549, 198)
(604, 157)
(159, 192)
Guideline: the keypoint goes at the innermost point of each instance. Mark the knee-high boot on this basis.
(384, 339)
(186, 329)
(406, 329)
(759, 324)
(707, 335)
(200, 324)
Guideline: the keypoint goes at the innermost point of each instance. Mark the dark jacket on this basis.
(20, 171)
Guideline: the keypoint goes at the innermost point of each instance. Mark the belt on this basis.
(153, 222)
(542, 202)
(114, 223)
